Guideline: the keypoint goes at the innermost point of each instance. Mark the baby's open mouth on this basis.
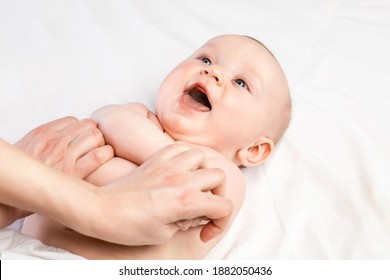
(199, 98)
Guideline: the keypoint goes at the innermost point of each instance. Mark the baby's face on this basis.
(219, 97)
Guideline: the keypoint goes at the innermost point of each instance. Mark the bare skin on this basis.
(183, 245)
(220, 100)
(27, 186)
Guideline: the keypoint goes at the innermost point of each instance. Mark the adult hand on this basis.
(169, 187)
(74, 147)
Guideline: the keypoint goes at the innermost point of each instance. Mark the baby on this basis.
(230, 99)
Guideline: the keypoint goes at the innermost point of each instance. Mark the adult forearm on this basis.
(138, 209)
(30, 185)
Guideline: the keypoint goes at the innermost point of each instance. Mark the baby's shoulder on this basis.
(144, 111)
(135, 107)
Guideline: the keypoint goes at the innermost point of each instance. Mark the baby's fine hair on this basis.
(280, 122)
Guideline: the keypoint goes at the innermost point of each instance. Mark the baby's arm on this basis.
(132, 130)
(135, 134)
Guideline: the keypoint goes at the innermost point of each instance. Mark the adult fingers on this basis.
(199, 204)
(53, 126)
(175, 159)
(42, 140)
(214, 228)
(209, 179)
(93, 160)
(58, 124)
(85, 151)
(219, 216)
(180, 157)
(65, 146)
(191, 159)
(88, 139)
(76, 129)
(210, 202)
(219, 220)
(62, 142)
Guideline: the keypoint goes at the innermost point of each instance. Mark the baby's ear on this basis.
(256, 153)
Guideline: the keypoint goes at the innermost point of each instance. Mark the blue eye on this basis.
(206, 60)
(241, 83)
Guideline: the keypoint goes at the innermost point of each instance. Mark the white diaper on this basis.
(17, 246)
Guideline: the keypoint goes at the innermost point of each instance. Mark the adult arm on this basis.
(113, 213)
(67, 144)
(28, 186)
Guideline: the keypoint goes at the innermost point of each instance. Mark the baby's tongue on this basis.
(193, 104)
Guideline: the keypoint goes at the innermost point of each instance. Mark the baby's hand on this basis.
(186, 224)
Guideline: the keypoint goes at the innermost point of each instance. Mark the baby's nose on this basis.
(214, 73)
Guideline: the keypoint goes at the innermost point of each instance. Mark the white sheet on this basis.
(324, 194)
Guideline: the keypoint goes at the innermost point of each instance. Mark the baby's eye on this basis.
(241, 83)
(206, 60)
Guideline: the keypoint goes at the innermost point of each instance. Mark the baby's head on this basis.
(230, 95)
